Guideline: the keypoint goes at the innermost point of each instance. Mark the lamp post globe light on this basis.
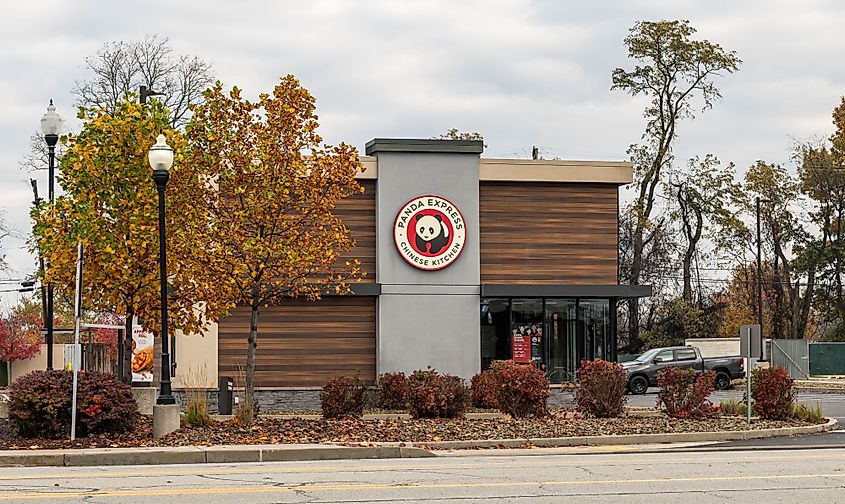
(51, 126)
(161, 159)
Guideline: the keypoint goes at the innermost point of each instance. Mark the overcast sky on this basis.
(522, 73)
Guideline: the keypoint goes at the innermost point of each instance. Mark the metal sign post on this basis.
(77, 312)
(751, 349)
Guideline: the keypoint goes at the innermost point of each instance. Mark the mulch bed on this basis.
(354, 431)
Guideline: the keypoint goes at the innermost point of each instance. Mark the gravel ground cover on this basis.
(354, 431)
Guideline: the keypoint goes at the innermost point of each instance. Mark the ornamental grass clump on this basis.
(521, 389)
(483, 389)
(600, 388)
(811, 414)
(343, 396)
(435, 395)
(40, 404)
(683, 393)
(772, 392)
(392, 391)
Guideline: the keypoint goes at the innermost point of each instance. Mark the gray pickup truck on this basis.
(642, 372)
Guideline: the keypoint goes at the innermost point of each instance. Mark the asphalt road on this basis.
(833, 405)
(737, 477)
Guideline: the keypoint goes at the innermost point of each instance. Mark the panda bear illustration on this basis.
(432, 232)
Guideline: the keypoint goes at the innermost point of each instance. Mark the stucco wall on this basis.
(196, 359)
(39, 362)
(427, 317)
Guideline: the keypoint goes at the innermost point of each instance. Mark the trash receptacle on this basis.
(224, 397)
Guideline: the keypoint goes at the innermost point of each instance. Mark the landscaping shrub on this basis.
(40, 404)
(811, 414)
(392, 391)
(600, 390)
(683, 393)
(343, 396)
(435, 395)
(521, 390)
(196, 413)
(772, 392)
(483, 388)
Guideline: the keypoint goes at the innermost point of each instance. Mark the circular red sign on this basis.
(429, 232)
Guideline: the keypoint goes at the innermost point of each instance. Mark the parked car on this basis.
(642, 372)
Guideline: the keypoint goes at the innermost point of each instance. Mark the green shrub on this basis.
(483, 388)
(733, 407)
(600, 388)
(683, 393)
(196, 413)
(435, 395)
(40, 404)
(392, 391)
(812, 414)
(343, 396)
(521, 389)
(772, 392)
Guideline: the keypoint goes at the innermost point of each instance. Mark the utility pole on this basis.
(759, 279)
(36, 201)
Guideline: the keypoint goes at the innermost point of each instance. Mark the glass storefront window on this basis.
(561, 324)
(553, 333)
(595, 317)
(495, 331)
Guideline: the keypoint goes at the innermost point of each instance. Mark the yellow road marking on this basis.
(441, 464)
(400, 486)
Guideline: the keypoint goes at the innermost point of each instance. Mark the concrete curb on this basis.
(632, 439)
(203, 455)
(289, 453)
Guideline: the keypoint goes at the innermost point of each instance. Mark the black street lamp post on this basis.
(161, 159)
(51, 125)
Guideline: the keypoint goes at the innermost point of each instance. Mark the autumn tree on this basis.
(706, 195)
(672, 70)
(117, 71)
(271, 188)
(20, 336)
(110, 205)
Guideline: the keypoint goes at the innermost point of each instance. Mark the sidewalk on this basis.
(286, 453)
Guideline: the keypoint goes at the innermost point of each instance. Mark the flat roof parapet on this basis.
(377, 145)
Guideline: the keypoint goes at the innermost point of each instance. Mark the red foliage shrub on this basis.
(772, 392)
(18, 340)
(521, 390)
(683, 393)
(600, 389)
(40, 404)
(435, 395)
(484, 388)
(392, 391)
(343, 396)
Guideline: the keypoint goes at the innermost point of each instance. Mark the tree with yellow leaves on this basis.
(110, 205)
(270, 190)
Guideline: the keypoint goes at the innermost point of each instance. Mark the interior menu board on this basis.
(521, 344)
(536, 334)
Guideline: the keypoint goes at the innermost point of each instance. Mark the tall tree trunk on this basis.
(252, 343)
(127, 348)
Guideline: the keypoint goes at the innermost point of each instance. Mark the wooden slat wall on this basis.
(303, 344)
(359, 215)
(548, 233)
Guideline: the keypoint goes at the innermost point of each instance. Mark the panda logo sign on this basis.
(430, 232)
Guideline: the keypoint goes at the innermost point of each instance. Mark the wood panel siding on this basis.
(359, 215)
(303, 344)
(548, 233)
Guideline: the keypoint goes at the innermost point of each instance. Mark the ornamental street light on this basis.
(161, 159)
(51, 125)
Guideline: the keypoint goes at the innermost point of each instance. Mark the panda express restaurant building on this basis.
(468, 260)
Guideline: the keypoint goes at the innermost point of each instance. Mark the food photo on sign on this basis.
(142, 355)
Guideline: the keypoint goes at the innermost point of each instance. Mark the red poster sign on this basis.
(520, 347)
